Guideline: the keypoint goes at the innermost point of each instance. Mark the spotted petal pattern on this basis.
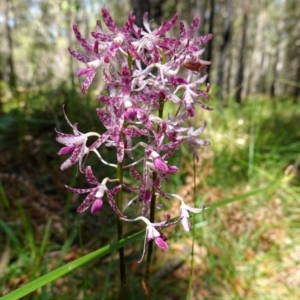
(142, 70)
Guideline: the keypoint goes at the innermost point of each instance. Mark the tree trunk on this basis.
(229, 71)
(274, 73)
(70, 22)
(153, 7)
(240, 72)
(223, 49)
(297, 87)
(10, 59)
(210, 30)
(139, 7)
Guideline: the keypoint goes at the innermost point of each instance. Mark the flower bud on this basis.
(96, 205)
(130, 114)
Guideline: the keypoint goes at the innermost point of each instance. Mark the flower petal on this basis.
(160, 165)
(96, 205)
(86, 202)
(66, 150)
(185, 224)
(161, 243)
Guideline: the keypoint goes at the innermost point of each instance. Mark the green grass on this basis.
(246, 249)
(248, 243)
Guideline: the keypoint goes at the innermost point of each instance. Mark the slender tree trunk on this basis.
(153, 7)
(296, 93)
(70, 22)
(210, 30)
(228, 72)
(139, 7)
(223, 49)
(9, 38)
(200, 7)
(274, 73)
(240, 72)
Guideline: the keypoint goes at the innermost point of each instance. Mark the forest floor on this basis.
(247, 249)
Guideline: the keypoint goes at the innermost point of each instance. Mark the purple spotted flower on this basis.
(96, 194)
(143, 69)
(153, 232)
(185, 211)
(114, 41)
(93, 60)
(75, 144)
(192, 62)
(191, 139)
(154, 41)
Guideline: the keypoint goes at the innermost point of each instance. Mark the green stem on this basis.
(119, 172)
(152, 218)
(190, 289)
(120, 236)
(150, 244)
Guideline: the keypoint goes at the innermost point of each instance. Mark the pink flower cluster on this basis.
(142, 69)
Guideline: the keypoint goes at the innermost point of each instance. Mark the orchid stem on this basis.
(152, 218)
(190, 289)
(119, 173)
(150, 244)
(120, 236)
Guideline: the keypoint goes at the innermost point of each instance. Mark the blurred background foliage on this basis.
(245, 250)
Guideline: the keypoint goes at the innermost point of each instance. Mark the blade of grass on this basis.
(106, 282)
(70, 267)
(44, 290)
(4, 199)
(28, 231)
(68, 205)
(9, 232)
(286, 179)
(254, 131)
(254, 134)
(246, 195)
(45, 237)
(67, 245)
(40, 252)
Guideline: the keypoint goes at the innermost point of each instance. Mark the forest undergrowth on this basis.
(246, 249)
